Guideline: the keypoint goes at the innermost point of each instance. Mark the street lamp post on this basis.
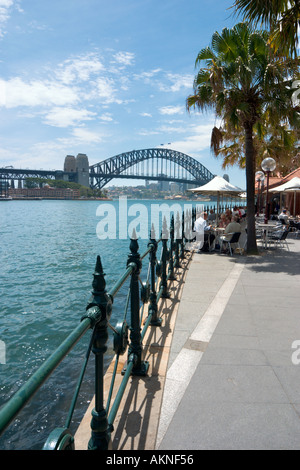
(268, 165)
(259, 177)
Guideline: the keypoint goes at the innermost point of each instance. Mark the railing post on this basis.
(164, 258)
(182, 255)
(177, 238)
(135, 347)
(171, 263)
(152, 310)
(187, 230)
(100, 436)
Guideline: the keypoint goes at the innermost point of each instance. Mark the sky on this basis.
(103, 77)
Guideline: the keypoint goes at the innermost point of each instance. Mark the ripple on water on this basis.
(48, 256)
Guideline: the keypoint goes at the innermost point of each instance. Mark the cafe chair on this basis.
(233, 240)
(280, 238)
(294, 228)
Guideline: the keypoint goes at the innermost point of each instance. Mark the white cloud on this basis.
(173, 129)
(79, 69)
(106, 117)
(148, 132)
(65, 117)
(124, 58)
(146, 114)
(165, 82)
(5, 6)
(50, 154)
(37, 93)
(171, 110)
(197, 140)
(146, 75)
(84, 135)
(45, 155)
(177, 83)
(105, 88)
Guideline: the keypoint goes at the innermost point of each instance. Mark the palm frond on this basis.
(216, 139)
(205, 54)
(281, 16)
(261, 11)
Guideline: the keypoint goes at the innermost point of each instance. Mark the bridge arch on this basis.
(103, 172)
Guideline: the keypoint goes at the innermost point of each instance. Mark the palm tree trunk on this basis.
(250, 182)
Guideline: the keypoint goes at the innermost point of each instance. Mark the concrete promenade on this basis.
(233, 379)
(224, 367)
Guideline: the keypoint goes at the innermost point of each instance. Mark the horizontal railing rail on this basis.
(127, 336)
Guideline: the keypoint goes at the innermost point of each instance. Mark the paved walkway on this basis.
(224, 367)
(233, 376)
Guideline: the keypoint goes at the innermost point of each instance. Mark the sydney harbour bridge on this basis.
(158, 164)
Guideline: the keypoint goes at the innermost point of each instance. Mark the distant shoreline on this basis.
(59, 199)
(36, 198)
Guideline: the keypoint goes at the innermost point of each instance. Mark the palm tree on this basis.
(249, 87)
(282, 16)
(279, 142)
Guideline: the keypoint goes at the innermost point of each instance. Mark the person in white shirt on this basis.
(283, 216)
(203, 234)
(236, 211)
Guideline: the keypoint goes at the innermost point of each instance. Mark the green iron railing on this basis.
(97, 318)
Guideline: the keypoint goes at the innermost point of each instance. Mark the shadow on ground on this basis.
(276, 260)
(137, 426)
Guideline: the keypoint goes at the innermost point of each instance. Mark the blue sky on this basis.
(104, 77)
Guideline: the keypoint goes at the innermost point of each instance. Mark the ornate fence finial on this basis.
(99, 283)
(134, 256)
(152, 232)
(165, 231)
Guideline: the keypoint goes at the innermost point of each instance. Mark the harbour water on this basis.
(48, 254)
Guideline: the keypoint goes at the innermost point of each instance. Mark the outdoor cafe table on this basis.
(218, 231)
(267, 228)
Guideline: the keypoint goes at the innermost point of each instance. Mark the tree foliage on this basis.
(281, 16)
(84, 191)
(249, 86)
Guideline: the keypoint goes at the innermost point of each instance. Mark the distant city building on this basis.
(163, 185)
(45, 193)
(175, 188)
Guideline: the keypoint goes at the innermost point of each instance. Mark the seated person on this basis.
(242, 213)
(236, 211)
(212, 216)
(203, 233)
(228, 214)
(233, 227)
(283, 216)
(228, 219)
(223, 221)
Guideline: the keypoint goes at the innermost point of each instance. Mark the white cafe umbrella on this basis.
(292, 185)
(216, 187)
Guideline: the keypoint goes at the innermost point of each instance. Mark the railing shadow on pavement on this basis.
(138, 421)
(150, 304)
